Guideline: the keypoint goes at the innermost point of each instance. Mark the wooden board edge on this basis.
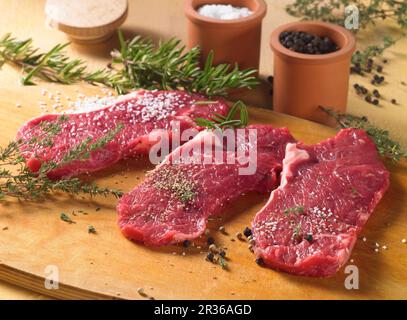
(35, 283)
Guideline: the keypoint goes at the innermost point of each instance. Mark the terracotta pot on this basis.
(233, 41)
(303, 82)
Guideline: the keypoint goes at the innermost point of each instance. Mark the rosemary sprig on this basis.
(53, 66)
(17, 180)
(386, 147)
(220, 121)
(137, 64)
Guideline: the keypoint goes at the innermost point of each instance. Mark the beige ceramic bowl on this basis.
(86, 21)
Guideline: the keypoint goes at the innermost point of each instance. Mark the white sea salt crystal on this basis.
(224, 12)
(88, 104)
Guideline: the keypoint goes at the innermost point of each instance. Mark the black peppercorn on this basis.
(247, 232)
(210, 241)
(210, 256)
(186, 243)
(393, 101)
(308, 237)
(260, 261)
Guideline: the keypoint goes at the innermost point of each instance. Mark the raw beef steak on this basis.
(175, 200)
(327, 193)
(139, 113)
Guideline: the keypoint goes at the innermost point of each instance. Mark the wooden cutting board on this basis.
(106, 265)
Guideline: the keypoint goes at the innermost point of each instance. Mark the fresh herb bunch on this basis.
(168, 66)
(333, 11)
(138, 64)
(386, 147)
(220, 121)
(16, 179)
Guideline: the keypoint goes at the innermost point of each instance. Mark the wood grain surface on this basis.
(106, 265)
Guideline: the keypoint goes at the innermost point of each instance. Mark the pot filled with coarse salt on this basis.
(311, 69)
(231, 29)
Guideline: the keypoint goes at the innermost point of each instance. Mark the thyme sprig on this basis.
(18, 181)
(362, 57)
(219, 121)
(295, 210)
(139, 63)
(333, 11)
(386, 146)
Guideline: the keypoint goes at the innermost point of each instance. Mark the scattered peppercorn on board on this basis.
(35, 244)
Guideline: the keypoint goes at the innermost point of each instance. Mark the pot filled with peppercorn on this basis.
(311, 68)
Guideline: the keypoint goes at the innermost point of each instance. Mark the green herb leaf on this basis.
(223, 263)
(297, 230)
(219, 121)
(64, 217)
(296, 210)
